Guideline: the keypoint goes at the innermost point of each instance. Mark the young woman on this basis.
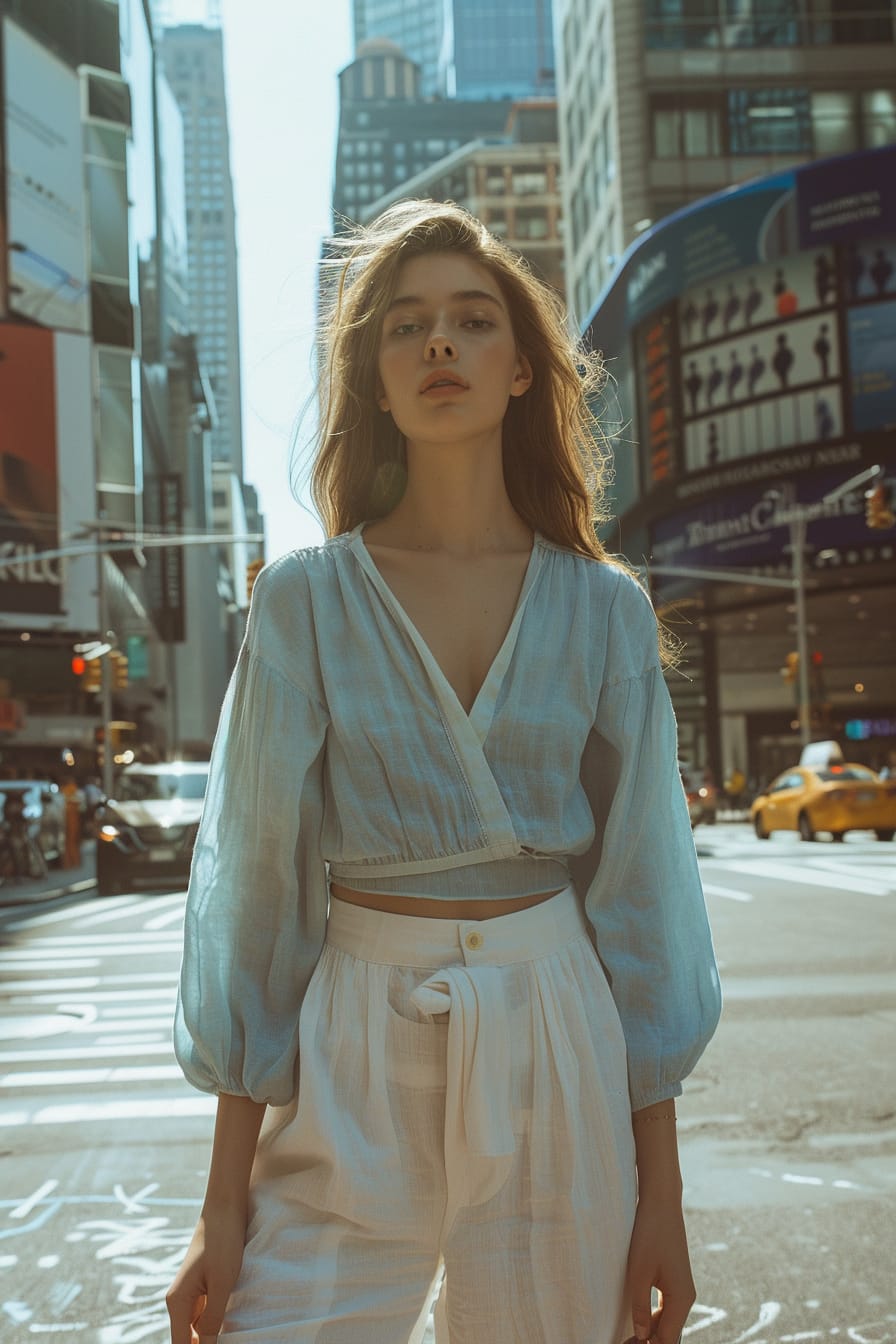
(445, 919)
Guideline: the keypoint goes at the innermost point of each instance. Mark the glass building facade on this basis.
(766, 23)
(468, 48)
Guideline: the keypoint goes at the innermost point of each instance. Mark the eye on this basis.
(478, 323)
(405, 328)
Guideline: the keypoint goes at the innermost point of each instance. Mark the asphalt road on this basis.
(788, 1126)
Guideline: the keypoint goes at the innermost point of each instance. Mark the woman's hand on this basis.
(197, 1299)
(658, 1258)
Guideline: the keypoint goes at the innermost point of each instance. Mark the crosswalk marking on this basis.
(83, 1052)
(115, 1073)
(144, 1108)
(784, 872)
(711, 889)
(32, 921)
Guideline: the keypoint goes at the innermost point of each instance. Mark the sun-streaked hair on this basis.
(556, 458)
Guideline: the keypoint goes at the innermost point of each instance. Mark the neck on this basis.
(456, 501)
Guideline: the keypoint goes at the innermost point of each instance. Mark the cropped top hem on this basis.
(374, 868)
(494, 881)
(341, 742)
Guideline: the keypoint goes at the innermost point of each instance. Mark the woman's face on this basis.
(448, 360)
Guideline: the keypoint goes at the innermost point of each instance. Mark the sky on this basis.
(281, 62)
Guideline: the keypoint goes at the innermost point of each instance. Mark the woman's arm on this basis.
(199, 1294)
(658, 1256)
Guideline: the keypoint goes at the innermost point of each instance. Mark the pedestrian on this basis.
(93, 801)
(444, 917)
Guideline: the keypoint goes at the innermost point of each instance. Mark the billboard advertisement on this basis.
(47, 481)
(29, 484)
(45, 210)
(760, 320)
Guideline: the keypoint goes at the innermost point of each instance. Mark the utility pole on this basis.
(797, 517)
(106, 636)
(101, 548)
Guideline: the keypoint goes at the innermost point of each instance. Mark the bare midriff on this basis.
(424, 908)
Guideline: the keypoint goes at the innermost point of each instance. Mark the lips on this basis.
(441, 378)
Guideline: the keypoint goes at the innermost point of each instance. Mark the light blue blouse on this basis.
(342, 747)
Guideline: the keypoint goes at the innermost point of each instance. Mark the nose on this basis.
(439, 347)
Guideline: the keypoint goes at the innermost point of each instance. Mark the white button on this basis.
(474, 940)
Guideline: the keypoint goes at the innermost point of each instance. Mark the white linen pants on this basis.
(462, 1127)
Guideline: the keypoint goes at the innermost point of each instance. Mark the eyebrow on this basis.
(460, 296)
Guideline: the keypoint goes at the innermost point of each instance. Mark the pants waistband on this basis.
(412, 940)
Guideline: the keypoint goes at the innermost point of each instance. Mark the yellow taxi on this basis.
(836, 797)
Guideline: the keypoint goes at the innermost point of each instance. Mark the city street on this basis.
(788, 1126)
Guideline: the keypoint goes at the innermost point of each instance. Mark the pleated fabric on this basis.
(462, 1128)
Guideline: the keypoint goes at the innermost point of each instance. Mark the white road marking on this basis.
(92, 1021)
(143, 1038)
(57, 916)
(109, 916)
(161, 992)
(161, 1108)
(113, 940)
(115, 1073)
(10, 962)
(82, 1052)
(730, 893)
(22, 1210)
(90, 982)
(161, 921)
(806, 877)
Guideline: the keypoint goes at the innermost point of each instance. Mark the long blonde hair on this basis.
(556, 458)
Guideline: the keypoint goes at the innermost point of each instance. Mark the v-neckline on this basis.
(481, 711)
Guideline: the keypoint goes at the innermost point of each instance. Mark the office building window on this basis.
(666, 133)
(879, 117)
(834, 128)
(769, 121)
(531, 224)
(682, 23)
(762, 23)
(533, 182)
(846, 22)
(686, 131)
(609, 149)
(571, 133)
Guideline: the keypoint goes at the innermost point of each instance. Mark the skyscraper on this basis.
(664, 102)
(468, 48)
(193, 57)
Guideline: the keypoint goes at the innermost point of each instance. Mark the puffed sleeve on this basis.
(645, 900)
(257, 899)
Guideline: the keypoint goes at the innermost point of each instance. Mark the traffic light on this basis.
(791, 669)
(252, 572)
(119, 670)
(879, 512)
(92, 679)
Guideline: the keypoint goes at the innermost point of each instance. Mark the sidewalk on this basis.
(58, 882)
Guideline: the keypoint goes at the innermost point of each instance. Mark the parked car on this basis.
(701, 797)
(43, 809)
(835, 797)
(146, 831)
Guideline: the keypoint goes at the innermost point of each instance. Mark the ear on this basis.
(522, 378)
(381, 399)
